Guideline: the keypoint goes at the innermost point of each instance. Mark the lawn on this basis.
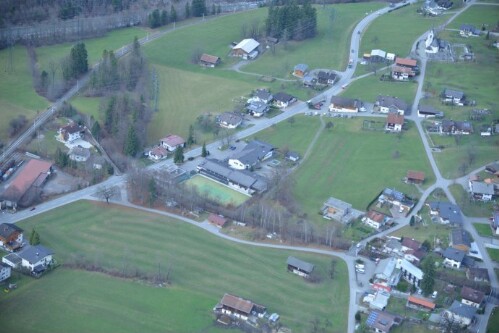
(203, 268)
(483, 229)
(493, 253)
(303, 129)
(385, 32)
(477, 15)
(429, 231)
(355, 165)
(367, 89)
(468, 207)
(216, 191)
(493, 321)
(88, 105)
(330, 47)
(17, 96)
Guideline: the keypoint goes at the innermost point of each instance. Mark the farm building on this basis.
(238, 308)
(217, 220)
(344, 104)
(299, 267)
(451, 127)
(11, 236)
(420, 303)
(453, 96)
(246, 49)
(207, 60)
(415, 177)
(427, 111)
(481, 191)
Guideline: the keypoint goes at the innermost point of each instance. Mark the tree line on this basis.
(291, 21)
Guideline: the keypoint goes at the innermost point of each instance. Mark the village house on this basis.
(252, 154)
(79, 154)
(434, 45)
(428, 111)
(335, 209)
(468, 30)
(374, 219)
(481, 191)
(396, 198)
(299, 267)
(344, 104)
(381, 321)
(478, 274)
(326, 77)
(309, 81)
(453, 258)
(393, 246)
(261, 95)
(451, 127)
(230, 120)
(406, 62)
(27, 185)
(410, 272)
(386, 273)
(242, 181)
(35, 258)
(257, 109)
(246, 49)
(283, 100)
(460, 313)
(453, 96)
(445, 212)
(377, 56)
(421, 304)
(460, 239)
(415, 177)
(494, 223)
(238, 308)
(378, 300)
(292, 156)
(389, 104)
(207, 60)
(158, 153)
(71, 132)
(300, 70)
(472, 297)
(171, 142)
(486, 130)
(404, 69)
(217, 220)
(11, 237)
(5, 271)
(394, 122)
(493, 168)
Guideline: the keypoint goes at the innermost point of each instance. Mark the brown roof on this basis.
(173, 140)
(421, 302)
(416, 175)
(72, 128)
(395, 118)
(402, 69)
(375, 216)
(237, 303)
(406, 62)
(217, 219)
(209, 59)
(159, 151)
(34, 173)
(411, 243)
(473, 295)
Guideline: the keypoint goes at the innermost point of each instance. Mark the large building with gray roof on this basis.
(253, 153)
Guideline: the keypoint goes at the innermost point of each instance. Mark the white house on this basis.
(374, 219)
(410, 273)
(389, 104)
(344, 104)
(230, 120)
(71, 132)
(453, 257)
(253, 153)
(35, 258)
(283, 100)
(472, 297)
(460, 313)
(5, 271)
(158, 153)
(11, 236)
(172, 142)
(79, 154)
(394, 122)
(481, 191)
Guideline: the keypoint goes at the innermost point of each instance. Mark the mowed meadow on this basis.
(203, 268)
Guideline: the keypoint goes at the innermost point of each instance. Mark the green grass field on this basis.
(88, 105)
(17, 96)
(468, 207)
(430, 232)
(216, 191)
(483, 229)
(367, 89)
(494, 317)
(355, 165)
(385, 32)
(477, 15)
(204, 267)
(330, 46)
(493, 253)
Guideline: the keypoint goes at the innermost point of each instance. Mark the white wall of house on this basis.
(457, 319)
(451, 263)
(5, 272)
(372, 223)
(470, 303)
(43, 261)
(334, 108)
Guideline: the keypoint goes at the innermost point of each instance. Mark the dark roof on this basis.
(480, 274)
(322, 75)
(300, 264)
(283, 97)
(345, 102)
(473, 295)
(492, 167)
(34, 173)
(209, 59)
(482, 188)
(13, 258)
(454, 254)
(231, 118)
(428, 109)
(453, 93)
(241, 177)
(450, 126)
(263, 94)
(459, 236)
(237, 303)
(391, 102)
(72, 128)
(35, 253)
(411, 243)
(447, 211)
(381, 320)
(495, 219)
(462, 310)
(7, 229)
(253, 152)
(257, 107)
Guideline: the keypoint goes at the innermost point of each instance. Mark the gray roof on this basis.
(236, 176)
(7, 229)
(385, 267)
(391, 102)
(13, 258)
(453, 93)
(454, 254)
(459, 236)
(447, 211)
(300, 264)
(337, 203)
(283, 97)
(263, 94)
(346, 102)
(230, 118)
(80, 151)
(428, 109)
(35, 253)
(253, 152)
(257, 107)
(301, 67)
(462, 310)
(482, 188)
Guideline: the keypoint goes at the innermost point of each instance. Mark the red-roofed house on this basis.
(217, 220)
(238, 307)
(209, 60)
(394, 122)
(26, 187)
(158, 153)
(415, 177)
(406, 62)
(374, 219)
(172, 142)
(420, 303)
(410, 244)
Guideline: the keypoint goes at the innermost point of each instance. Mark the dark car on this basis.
(232, 147)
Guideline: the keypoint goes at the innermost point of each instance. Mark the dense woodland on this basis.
(292, 21)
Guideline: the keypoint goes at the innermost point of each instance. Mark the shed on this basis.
(415, 177)
(299, 267)
(217, 220)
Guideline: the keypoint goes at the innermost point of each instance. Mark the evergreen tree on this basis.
(152, 192)
(34, 238)
(187, 10)
(61, 158)
(154, 19)
(96, 130)
(173, 14)
(131, 143)
(198, 8)
(204, 152)
(178, 157)
(78, 60)
(219, 9)
(428, 268)
(164, 17)
(191, 139)
(213, 10)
